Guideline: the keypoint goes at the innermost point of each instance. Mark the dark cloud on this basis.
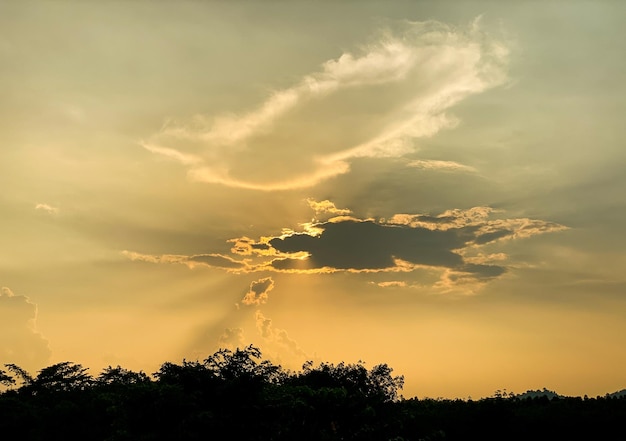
(20, 343)
(362, 245)
(449, 243)
(483, 272)
(435, 219)
(492, 236)
(260, 246)
(212, 260)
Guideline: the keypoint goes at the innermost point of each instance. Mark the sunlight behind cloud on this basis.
(450, 244)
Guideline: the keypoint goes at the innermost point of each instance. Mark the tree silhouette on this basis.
(120, 376)
(5, 379)
(24, 376)
(239, 394)
(243, 364)
(62, 376)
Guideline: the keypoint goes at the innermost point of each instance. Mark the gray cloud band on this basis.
(406, 242)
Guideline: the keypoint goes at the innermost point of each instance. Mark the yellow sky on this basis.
(433, 186)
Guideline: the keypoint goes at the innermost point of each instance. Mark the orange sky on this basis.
(433, 186)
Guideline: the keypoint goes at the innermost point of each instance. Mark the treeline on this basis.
(237, 395)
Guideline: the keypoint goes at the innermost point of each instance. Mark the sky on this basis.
(433, 185)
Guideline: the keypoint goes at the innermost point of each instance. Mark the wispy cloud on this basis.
(183, 158)
(485, 230)
(196, 260)
(47, 208)
(430, 164)
(393, 284)
(416, 71)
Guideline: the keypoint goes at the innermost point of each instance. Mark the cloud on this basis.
(20, 342)
(206, 260)
(482, 258)
(430, 164)
(47, 208)
(368, 245)
(151, 258)
(481, 271)
(215, 260)
(451, 243)
(184, 158)
(486, 230)
(454, 218)
(393, 284)
(246, 246)
(327, 207)
(258, 292)
(231, 338)
(468, 279)
(277, 337)
(309, 132)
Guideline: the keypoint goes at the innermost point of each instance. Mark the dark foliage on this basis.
(237, 395)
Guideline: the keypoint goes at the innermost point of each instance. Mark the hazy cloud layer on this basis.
(20, 342)
(231, 338)
(312, 130)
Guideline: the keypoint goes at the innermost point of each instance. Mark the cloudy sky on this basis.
(434, 185)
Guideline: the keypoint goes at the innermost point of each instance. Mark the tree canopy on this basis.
(238, 395)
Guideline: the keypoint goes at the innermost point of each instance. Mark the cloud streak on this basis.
(435, 165)
(295, 139)
(197, 260)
